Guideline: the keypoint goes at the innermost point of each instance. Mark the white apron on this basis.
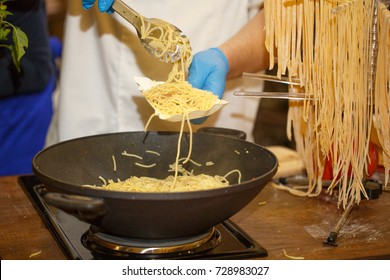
(102, 54)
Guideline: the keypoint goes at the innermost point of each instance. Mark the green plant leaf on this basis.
(19, 38)
(4, 33)
(4, 13)
(20, 42)
(15, 58)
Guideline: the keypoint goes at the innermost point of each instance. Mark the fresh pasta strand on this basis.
(382, 87)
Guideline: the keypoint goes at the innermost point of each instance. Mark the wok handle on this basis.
(233, 133)
(84, 208)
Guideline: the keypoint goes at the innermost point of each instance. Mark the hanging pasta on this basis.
(382, 86)
(327, 46)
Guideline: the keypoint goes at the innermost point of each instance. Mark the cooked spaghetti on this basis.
(174, 97)
(166, 44)
(327, 45)
(183, 183)
(179, 98)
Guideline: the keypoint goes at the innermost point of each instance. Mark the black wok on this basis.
(66, 166)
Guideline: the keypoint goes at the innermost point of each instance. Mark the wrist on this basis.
(222, 57)
(233, 70)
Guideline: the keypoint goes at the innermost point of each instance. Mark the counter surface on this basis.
(277, 220)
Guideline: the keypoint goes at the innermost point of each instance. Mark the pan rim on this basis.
(91, 192)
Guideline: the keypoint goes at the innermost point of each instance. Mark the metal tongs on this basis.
(275, 95)
(165, 53)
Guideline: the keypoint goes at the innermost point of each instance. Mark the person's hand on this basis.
(103, 5)
(208, 71)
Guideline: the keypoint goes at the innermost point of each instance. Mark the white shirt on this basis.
(101, 55)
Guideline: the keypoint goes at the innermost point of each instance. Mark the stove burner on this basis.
(101, 242)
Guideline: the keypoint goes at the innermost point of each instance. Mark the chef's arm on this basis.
(245, 51)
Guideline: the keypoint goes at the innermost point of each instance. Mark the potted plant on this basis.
(11, 36)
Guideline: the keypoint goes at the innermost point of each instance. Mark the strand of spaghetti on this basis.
(178, 152)
(114, 162)
(292, 66)
(190, 144)
(35, 254)
(103, 180)
(239, 175)
(148, 122)
(292, 257)
(153, 152)
(293, 191)
(190, 160)
(145, 165)
(124, 153)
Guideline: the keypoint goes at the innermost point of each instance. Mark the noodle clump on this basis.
(179, 98)
(184, 183)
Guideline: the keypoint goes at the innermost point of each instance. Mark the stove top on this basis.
(80, 240)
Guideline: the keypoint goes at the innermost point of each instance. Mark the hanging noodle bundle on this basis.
(327, 45)
(382, 86)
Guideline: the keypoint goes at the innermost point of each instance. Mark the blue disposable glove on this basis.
(208, 71)
(103, 5)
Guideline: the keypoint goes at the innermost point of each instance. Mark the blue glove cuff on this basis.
(87, 4)
(222, 56)
(103, 5)
(208, 71)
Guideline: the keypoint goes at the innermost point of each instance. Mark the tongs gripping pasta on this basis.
(160, 38)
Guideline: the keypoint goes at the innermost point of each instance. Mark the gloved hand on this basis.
(208, 71)
(103, 5)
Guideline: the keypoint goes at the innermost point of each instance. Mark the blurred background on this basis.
(56, 10)
(270, 127)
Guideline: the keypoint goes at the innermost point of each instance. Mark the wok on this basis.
(68, 165)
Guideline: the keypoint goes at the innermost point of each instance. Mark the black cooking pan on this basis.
(66, 166)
